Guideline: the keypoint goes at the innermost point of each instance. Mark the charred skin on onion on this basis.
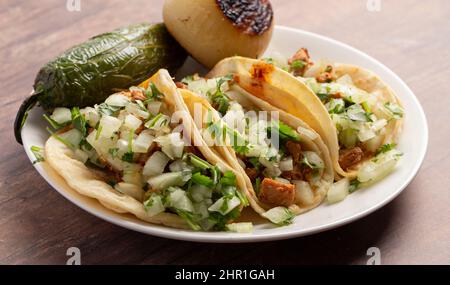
(211, 30)
(253, 17)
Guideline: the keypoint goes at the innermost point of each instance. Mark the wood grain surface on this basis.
(412, 37)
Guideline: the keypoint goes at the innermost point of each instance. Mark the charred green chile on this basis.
(88, 73)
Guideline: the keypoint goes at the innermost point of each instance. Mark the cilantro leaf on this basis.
(128, 157)
(38, 153)
(201, 179)
(284, 131)
(189, 218)
(228, 179)
(78, 120)
(385, 148)
(354, 185)
(113, 152)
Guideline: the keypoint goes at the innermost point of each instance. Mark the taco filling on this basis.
(283, 170)
(140, 152)
(364, 120)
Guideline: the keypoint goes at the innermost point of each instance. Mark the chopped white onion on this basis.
(117, 100)
(81, 155)
(244, 227)
(356, 113)
(374, 143)
(155, 164)
(122, 145)
(91, 115)
(131, 122)
(200, 192)
(143, 142)
(303, 192)
(72, 136)
(137, 111)
(314, 159)
(366, 134)
(172, 145)
(219, 207)
(179, 200)
(154, 107)
(165, 180)
(179, 165)
(159, 122)
(373, 171)
(278, 215)
(378, 125)
(132, 177)
(201, 210)
(287, 164)
(61, 115)
(108, 126)
(130, 189)
(338, 191)
(154, 205)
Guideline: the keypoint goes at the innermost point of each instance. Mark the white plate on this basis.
(413, 143)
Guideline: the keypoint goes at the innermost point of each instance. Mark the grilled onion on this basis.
(211, 30)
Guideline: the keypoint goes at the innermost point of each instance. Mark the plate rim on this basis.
(224, 237)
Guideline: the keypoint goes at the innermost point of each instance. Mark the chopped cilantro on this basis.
(284, 131)
(107, 110)
(113, 152)
(37, 151)
(228, 179)
(128, 157)
(298, 64)
(55, 125)
(257, 185)
(189, 218)
(78, 120)
(201, 179)
(354, 185)
(385, 148)
(219, 100)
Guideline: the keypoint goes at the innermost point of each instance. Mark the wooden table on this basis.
(412, 37)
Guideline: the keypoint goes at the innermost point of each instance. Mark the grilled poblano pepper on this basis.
(88, 73)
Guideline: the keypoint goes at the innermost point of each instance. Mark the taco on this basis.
(140, 153)
(356, 114)
(285, 163)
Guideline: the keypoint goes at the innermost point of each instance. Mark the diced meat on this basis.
(252, 173)
(295, 149)
(139, 129)
(193, 150)
(350, 157)
(65, 129)
(327, 75)
(181, 85)
(277, 193)
(337, 95)
(300, 62)
(294, 174)
(138, 95)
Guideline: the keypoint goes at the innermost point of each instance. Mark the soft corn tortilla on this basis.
(316, 144)
(86, 182)
(89, 183)
(282, 90)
